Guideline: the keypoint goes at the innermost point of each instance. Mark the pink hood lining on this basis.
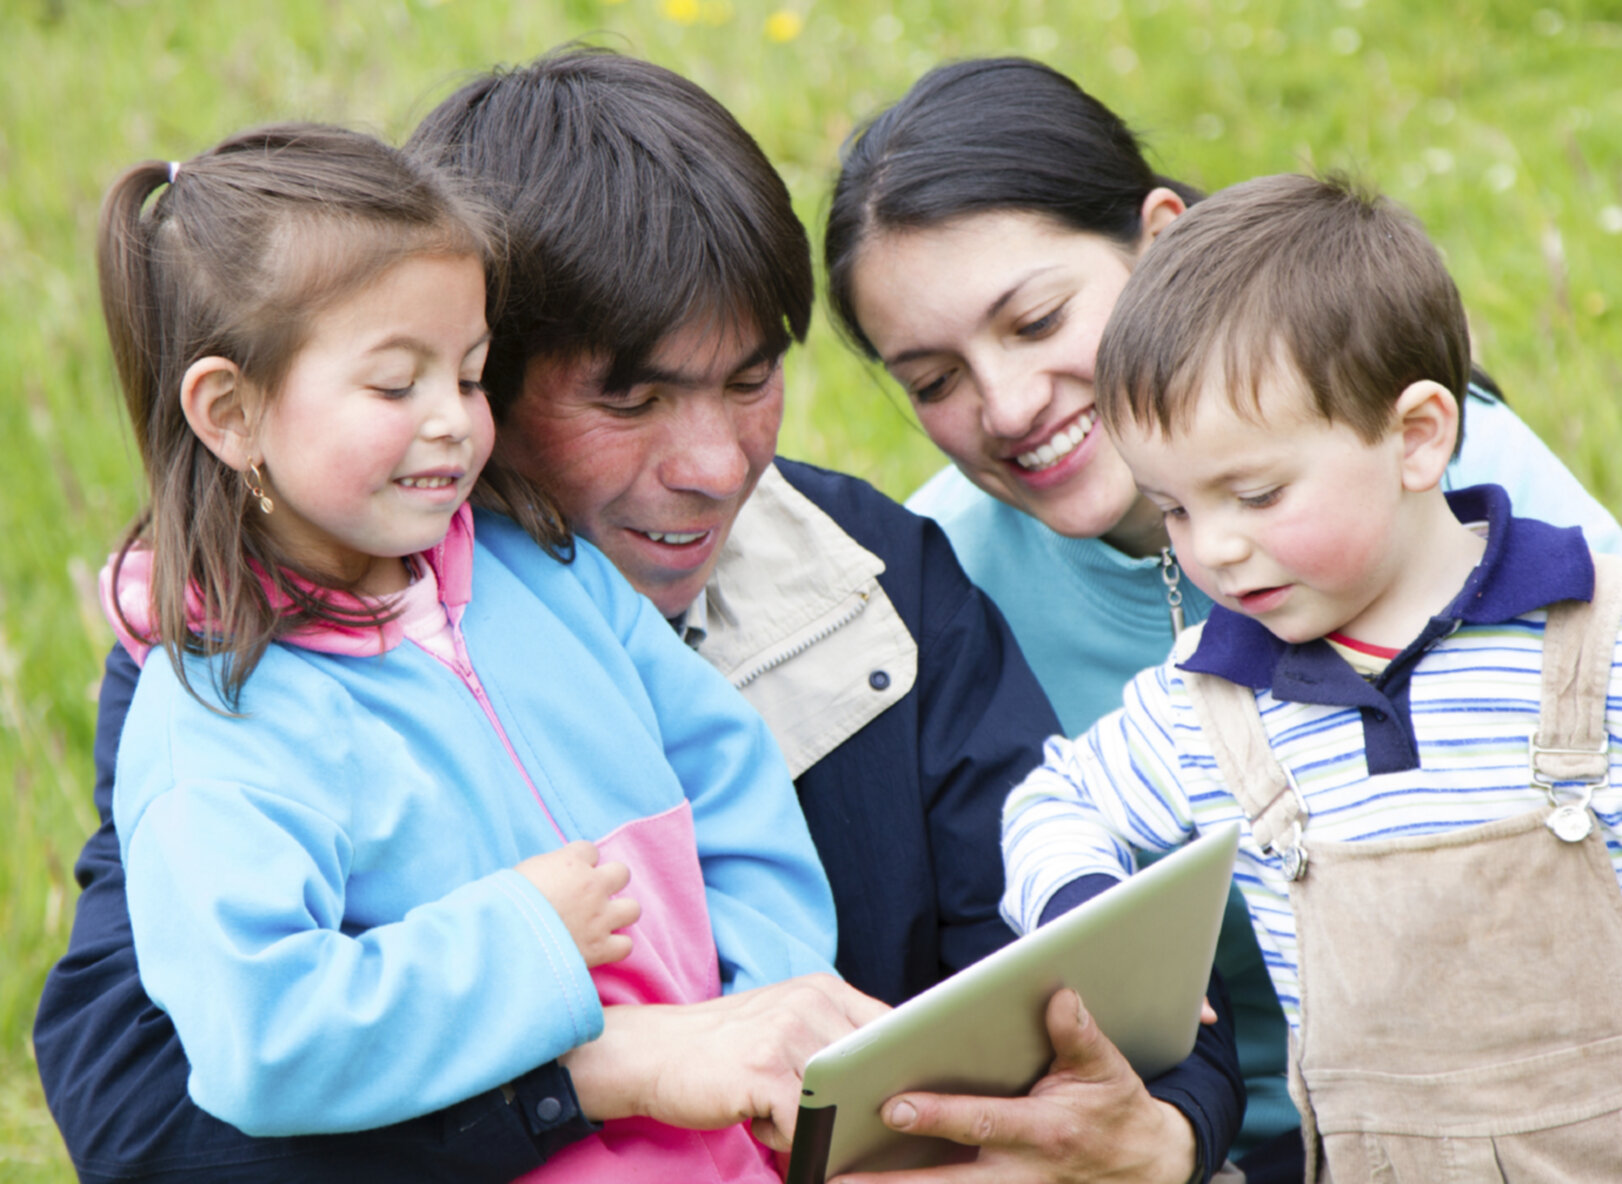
(451, 560)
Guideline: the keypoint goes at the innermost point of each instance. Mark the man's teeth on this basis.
(427, 482)
(1060, 445)
(675, 539)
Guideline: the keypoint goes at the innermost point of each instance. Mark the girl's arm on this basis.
(771, 910)
(115, 1076)
(238, 857)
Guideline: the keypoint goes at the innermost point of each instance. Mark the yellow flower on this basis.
(784, 25)
(683, 12)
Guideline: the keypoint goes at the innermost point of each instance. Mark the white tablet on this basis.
(1139, 955)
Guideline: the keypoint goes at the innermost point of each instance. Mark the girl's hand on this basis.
(583, 893)
(707, 1065)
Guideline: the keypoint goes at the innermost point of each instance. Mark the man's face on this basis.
(654, 474)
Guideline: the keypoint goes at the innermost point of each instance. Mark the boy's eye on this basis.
(1260, 501)
(1169, 512)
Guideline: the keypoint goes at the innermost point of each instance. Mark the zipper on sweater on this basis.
(462, 667)
(801, 644)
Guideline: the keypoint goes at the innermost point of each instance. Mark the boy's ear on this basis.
(1161, 207)
(214, 399)
(1427, 416)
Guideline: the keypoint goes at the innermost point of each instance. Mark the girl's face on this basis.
(991, 323)
(381, 427)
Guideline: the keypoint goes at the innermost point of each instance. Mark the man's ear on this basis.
(1160, 209)
(214, 397)
(1427, 416)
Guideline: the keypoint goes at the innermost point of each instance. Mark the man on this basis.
(657, 275)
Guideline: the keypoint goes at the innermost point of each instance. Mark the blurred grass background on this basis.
(1499, 122)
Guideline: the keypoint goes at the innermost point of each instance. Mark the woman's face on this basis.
(991, 323)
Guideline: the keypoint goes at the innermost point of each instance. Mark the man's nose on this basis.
(705, 454)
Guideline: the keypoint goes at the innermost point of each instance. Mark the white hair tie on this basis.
(174, 171)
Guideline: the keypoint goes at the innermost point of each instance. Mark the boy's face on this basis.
(1282, 516)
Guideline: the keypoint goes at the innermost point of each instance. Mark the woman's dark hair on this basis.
(635, 205)
(984, 135)
(244, 248)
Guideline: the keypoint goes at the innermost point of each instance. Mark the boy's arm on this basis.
(1094, 799)
(115, 1074)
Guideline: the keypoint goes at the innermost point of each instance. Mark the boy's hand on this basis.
(583, 893)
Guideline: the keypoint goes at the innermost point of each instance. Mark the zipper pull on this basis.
(1171, 575)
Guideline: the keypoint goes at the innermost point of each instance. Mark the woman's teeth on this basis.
(1059, 446)
(674, 538)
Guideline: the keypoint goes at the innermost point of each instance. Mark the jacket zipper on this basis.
(802, 644)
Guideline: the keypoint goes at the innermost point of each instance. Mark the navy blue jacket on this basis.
(920, 788)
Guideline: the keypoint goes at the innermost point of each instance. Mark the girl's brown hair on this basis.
(247, 245)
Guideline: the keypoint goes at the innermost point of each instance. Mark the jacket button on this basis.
(548, 1109)
(878, 680)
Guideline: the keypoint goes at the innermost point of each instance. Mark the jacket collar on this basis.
(451, 560)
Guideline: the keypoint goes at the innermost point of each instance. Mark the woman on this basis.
(980, 232)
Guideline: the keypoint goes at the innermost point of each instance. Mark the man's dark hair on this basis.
(635, 205)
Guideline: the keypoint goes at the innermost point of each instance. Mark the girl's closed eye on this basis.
(1260, 501)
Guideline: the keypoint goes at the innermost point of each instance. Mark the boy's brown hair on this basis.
(1283, 271)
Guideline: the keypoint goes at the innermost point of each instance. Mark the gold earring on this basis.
(256, 488)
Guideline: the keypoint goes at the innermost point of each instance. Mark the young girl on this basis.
(355, 785)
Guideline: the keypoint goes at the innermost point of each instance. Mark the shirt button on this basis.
(878, 680)
(548, 1109)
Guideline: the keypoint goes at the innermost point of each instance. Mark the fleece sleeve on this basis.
(115, 1076)
(771, 910)
(236, 848)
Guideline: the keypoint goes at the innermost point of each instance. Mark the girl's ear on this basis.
(1427, 416)
(1160, 209)
(214, 399)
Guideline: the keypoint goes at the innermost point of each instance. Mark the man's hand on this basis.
(707, 1065)
(1089, 1119)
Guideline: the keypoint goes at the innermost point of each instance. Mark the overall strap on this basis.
(1579, 647)
(1232, 725)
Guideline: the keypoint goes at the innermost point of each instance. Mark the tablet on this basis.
(1139, 954)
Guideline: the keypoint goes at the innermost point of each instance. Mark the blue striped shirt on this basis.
(1466, 701)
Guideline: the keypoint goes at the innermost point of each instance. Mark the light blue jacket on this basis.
(322, 894)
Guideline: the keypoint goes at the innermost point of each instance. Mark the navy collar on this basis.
(1527, 565)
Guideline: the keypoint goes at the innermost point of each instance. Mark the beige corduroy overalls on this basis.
(1461, 993)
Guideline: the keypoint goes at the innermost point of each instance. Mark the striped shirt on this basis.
(1145, 777)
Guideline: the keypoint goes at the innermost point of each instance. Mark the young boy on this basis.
(1406, 696)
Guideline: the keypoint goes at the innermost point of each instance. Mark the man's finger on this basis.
(1080, 1049)
(972, 1121)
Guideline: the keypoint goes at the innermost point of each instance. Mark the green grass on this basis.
(1500, 125)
